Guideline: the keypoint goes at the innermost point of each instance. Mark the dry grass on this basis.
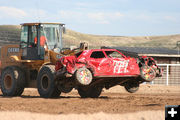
(73, 38)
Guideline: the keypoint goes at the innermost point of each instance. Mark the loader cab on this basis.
(36, 38)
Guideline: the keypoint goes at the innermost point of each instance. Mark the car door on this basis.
(119, 63)
(100, 63)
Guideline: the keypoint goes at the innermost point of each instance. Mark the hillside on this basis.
(11, 34)
(101, 40)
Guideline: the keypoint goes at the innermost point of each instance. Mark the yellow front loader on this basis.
(31, 63)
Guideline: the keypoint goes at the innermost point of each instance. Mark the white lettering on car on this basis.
(120, 66)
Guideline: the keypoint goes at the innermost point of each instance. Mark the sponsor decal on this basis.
(120, 66)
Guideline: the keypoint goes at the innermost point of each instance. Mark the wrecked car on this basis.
(90, 71)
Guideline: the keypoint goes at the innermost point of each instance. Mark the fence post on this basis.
(167, 75)
(152, 82)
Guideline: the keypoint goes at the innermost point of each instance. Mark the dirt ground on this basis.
(115, 101)
(143, 115)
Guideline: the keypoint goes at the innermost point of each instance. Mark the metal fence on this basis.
(171, 75)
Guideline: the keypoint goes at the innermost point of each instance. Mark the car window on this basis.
(113, 54)
(97, 54)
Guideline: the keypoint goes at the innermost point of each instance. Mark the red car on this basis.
(90, 71)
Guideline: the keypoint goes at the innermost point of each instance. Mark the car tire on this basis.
(147, 73)
(65, 89)
(13, 81)
(46, 85)
(92, 92)
(132, 86)
(83, 76)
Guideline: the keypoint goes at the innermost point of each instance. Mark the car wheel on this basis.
(92, 92)
(147, 73)
(65, 89)
(13, 81)
(46, 85)
(132, 86)
(83, 76)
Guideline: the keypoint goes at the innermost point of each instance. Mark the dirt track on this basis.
(116, 100)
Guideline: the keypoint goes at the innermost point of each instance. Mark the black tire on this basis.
(65, 89)
(132, 86)
(147, 73)
(92, 92)
(46, 85)
(83, 76)
(13, 81)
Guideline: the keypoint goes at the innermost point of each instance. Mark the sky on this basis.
(100, 17)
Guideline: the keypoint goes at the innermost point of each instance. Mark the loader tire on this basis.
(13, 81)
(46, 83)
(92, 92)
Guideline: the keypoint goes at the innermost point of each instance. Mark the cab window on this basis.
(32, 36)
(24, 36)
(28, 35)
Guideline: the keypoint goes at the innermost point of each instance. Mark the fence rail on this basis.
(171, 75)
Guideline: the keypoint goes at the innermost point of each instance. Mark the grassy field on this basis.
(169, 41)
(11, 34)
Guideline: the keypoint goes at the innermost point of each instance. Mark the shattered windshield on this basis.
(113, 54)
